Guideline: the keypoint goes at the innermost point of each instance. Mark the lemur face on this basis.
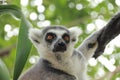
(55, 39)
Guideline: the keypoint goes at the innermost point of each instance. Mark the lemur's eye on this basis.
(66, 37)
(50, 37)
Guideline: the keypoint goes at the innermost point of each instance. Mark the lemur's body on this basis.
(59, 60)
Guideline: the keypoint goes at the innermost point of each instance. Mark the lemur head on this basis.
(54, 39)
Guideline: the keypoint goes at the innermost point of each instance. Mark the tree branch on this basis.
(6, 51)
(109, 32)
(109, 75)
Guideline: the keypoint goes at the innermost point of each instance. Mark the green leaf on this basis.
(23, 48)
(4, 74)
(24, 45)
(10, 9)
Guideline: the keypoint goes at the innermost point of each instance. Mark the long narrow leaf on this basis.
(24, 45)
(4, 74)
(11, 9)
(23, 48)
(15, 11)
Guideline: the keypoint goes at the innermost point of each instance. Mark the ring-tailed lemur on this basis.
(59, 60)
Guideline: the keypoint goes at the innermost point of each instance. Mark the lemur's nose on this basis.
(61, 43)
(60, 46)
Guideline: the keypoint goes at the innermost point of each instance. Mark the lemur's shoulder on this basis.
(45, 71)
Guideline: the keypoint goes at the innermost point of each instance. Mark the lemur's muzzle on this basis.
(60, 46)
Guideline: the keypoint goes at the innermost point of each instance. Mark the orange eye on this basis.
(66, 38)
(50, 37)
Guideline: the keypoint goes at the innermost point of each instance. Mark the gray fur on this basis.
(68, 65)
(42, 71)
(54, 27)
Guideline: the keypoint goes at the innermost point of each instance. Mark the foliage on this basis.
(54, 12)
(22, 51)
(4, 74)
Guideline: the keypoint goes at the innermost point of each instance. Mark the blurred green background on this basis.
(88, 15)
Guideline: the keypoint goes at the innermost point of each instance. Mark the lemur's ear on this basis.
(35, 35)
(75, 32)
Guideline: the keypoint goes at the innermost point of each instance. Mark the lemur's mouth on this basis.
(60, 46)
(60, 49)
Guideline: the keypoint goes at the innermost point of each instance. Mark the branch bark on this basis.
(109, 75)
(6, 51)
(109, 32)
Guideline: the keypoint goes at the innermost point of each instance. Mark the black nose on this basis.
(60, 46)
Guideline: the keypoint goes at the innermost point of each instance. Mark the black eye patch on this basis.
(50, 37)
(66, 37)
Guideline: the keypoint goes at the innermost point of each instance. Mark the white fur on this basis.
(76, 31)
(34, 34)
(70, 63)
